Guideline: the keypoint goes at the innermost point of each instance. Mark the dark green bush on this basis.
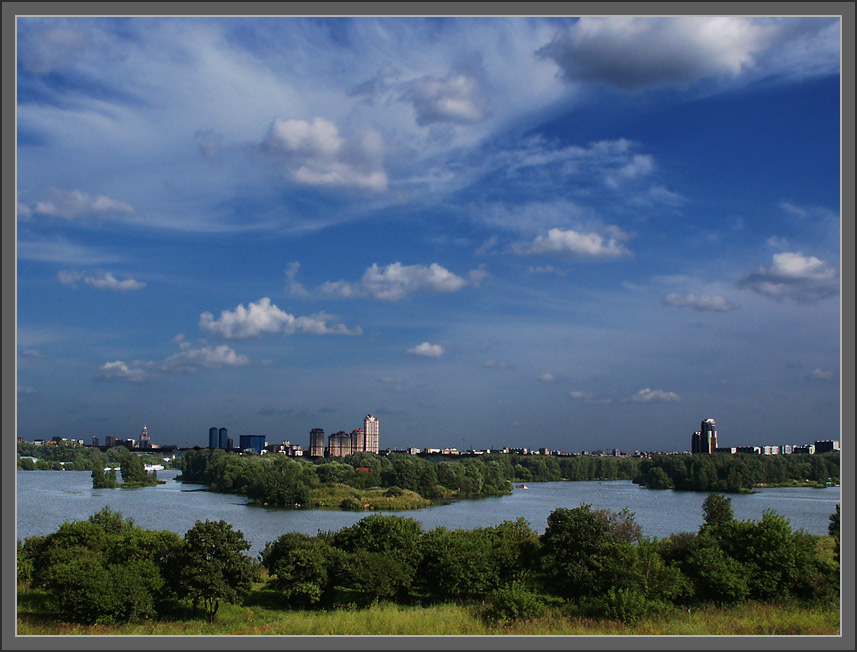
(513, 602)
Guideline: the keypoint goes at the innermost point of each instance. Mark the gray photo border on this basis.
(846, 10)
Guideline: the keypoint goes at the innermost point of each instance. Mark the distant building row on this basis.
(340, 444)
(704, 442)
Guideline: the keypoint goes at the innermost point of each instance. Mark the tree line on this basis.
(736, 473)
(592, 561)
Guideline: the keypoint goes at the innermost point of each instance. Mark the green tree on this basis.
(833, 530)
(395, 537)
(299, 566)
(716, 510)
(133, 471)
(211, 567)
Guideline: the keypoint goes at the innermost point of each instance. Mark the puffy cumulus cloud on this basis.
(635, 52)
(396, 281)
(122, 372)
(101, 281)
(455, 99)
(573, 244)
(263, 317)
(75, 204)
(792, 275)
(426, 350)
(315, 154)
(648, 395)
(190, 358)
(698, 302)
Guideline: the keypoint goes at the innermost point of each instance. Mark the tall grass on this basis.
(446, 620)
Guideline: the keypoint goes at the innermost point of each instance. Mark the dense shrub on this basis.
(299, 567)
(513, 602)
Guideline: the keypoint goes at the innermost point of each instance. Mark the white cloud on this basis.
(315, 154)
(497, 364)
(547, 378)
(23, 390)
(699, 302)
(572, 244)
(32, 353)
(655, 396)
(75, 204)
(101, 281)
(426, 350)
(821, 374)
(293, 286)
(120, 371)
(792, 275)
(396, 281)
(641, 165)
(189, 359)
(454, 98)
(635, 52)
(547, 269)
(263, 317)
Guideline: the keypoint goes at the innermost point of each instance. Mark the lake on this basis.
(46, 499)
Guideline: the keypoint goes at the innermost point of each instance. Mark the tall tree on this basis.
(211, 566)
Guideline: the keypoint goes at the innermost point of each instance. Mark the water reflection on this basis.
(46, 499)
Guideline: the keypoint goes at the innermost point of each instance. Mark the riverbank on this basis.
(259, 617)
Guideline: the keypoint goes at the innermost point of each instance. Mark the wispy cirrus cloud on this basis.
(100, 281)
(74, 205)
(702, 302)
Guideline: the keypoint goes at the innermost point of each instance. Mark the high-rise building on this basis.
(339, 444)
(695, 445)
(358, 444)
(213, 438)
(371, 433)
(316, 442)
(252, 442)
(708, 436)
(145, 440)
(223, 439)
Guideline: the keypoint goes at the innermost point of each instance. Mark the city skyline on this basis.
(576, 234)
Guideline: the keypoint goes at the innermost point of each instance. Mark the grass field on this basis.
(259, 617)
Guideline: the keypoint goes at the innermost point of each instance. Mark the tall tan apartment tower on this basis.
(370, 433)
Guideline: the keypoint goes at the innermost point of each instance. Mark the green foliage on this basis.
(133, 472)
(299, 567)
(104, 478)
(833, 530)
(729, 473)
(626, 605)
(210, 566)
(575, 545)
(514, 602)
(467, 564)
(104, 570)
(717, 511)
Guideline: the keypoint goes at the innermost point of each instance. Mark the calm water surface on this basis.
(46, 499)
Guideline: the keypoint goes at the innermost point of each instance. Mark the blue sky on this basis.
(568, 233)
